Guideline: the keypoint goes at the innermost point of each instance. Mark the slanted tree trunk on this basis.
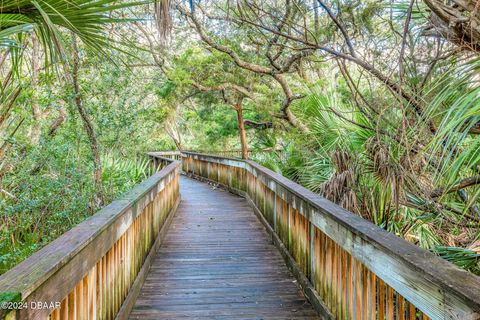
(455, 21)
(177, 142)
(7, 106)
(57, 122)
(87, 124)
(241, 129)
(172, 131)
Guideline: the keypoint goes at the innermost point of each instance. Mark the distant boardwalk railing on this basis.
(253, 153)
(348, 267)
(95, 270)
(163, 157)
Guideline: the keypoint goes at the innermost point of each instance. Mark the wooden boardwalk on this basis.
(217, 263)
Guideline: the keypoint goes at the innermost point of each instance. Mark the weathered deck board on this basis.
(217, 262)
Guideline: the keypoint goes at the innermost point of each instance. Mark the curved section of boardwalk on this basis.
(217, 263)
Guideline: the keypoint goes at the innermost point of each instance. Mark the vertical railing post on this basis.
(311, 275)
(274, 189)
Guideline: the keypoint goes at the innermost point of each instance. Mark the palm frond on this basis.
(87, 19)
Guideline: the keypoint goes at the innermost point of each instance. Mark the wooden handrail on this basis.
(163, 158)
(91, 270)
(222, 153)
(347, 266)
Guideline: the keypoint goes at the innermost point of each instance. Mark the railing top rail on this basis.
(163, 153)
(23, 279)
(212, 156)
(437, 270)
(224, 153)
(235, 150)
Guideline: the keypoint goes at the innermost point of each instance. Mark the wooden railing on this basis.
(95, 270)
(348, 267)
(238, 153)
(253, 153)
(163, 157)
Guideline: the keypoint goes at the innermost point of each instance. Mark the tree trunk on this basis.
(459, 24)
(315, 15)
(172, 131)
(35, 130)
(87, 124)
(241, 131)
(178, 144)
(57, 122)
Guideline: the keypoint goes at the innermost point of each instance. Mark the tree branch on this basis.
(258, 125)
(224, 86)
(340, 27)
(468, 182)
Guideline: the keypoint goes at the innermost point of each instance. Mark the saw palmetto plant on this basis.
(85, 18)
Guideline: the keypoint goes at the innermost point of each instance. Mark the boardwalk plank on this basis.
(217, 262)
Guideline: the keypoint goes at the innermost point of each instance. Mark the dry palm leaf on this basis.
(163, 18)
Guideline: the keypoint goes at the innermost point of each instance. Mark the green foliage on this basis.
(120, 173)
(464, 258)
(85, 18)
(167, 88)
(10, 296)
(47, 185)
(55, 191)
